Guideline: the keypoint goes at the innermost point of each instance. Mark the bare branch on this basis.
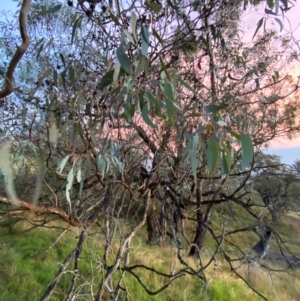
(19, 52)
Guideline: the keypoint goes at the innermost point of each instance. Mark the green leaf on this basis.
(62, 164)
(101, 163)
(155, 33)
(140, 65)
(236, 135)
(193, 155)
(63, 79)
(169, 91)
(55, 75)
(75, 26)
(215, 108)
(114, 18)
(172, 5)
(53, 132)
(45, 75)
(170, 108)
(133, 26)
(280, 23)
(259, 24)
(186, 84)
(145, 39)
(62, 59)
(129, 36)
(156, 7)
(271, 3)
(53, 10)
(212, 153)
(106, 80)
(285, 3)
(224, 165)
(70, 179)
(270, 12)
(91, 131)
(146, 117)
(72, 75)
(123, 58)
(5, 166)
(154, 103)
(39, 51)
(247, 148)
(116, 71)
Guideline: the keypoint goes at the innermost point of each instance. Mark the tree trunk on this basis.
(201, 230)
(153, 224)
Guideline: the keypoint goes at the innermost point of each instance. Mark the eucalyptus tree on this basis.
(106, 89)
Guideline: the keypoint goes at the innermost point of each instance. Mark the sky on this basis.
(288, 150)
(8, 5)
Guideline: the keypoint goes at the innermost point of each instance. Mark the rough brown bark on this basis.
(201, 230)
(153, 224)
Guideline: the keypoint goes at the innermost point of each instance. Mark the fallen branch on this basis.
(40, 210)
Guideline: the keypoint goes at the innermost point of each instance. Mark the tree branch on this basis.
(8, 89)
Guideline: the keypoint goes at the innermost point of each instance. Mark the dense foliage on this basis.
(120, 115)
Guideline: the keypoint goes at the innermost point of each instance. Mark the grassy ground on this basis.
(26, 271)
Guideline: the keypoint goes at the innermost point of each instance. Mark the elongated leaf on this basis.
(170, 108)
(129, 36)
(45, 75)
(212, 152)
(143, 64)
(155, 33)
(186, 84)
(280, 23)
(145, 39)
(215, 108)
(106, 80)
(52, 10)
(247, 148)
(72, 75)
(285, 3)
(259, 24)
(39, 51)
(193, 155)
(114, 18)
(70, 179)
(116, 71)
(146, 117)
(156, 7)
(123, 58)
(5, 167)
(101, 163)
(75, 26)
(133, 26)
(270, 12)
(236, 135)
(62, 59)
(169, 90)
(39, 178)
(53, 132)
(62, 164)
(271, 3)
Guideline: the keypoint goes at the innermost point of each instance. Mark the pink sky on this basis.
(291, 23)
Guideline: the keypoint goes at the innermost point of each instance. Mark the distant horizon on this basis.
(288, 154)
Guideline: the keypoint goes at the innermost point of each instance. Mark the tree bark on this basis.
(153, 224)
(201, 230)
